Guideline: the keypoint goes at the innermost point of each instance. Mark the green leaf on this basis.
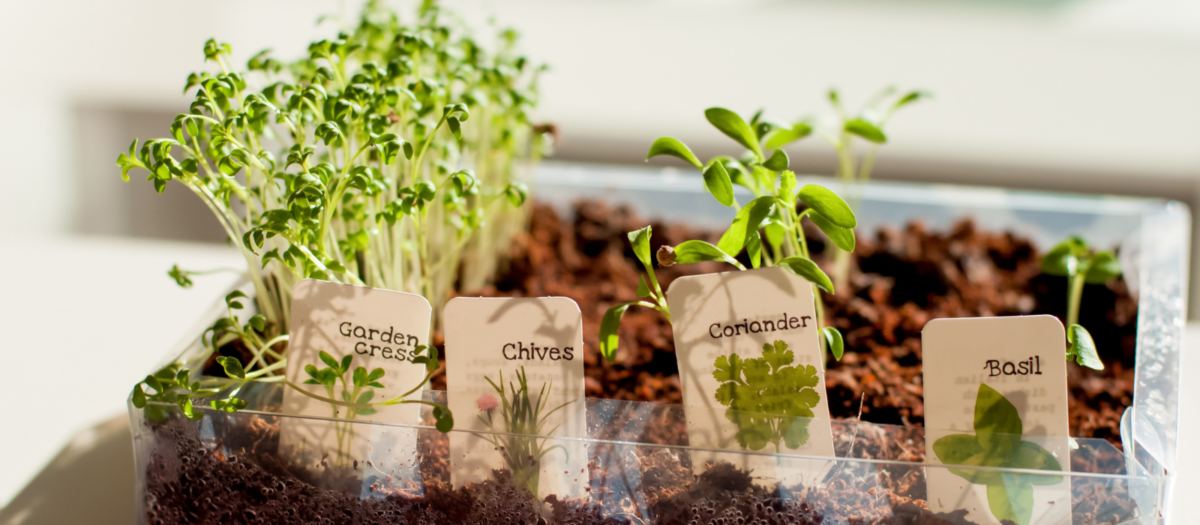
(842, 237)
(735, 128)
(376, 375)
(517, 193)
(777, 162)
(345, 365)
(232, 366)
(359, 378)
(1012, 502)
(640, 240)
(796, 433)
(778, 355)
(718, 183)
(139, 396)
(754, 249)
(749, 219)
(445, 420)
(728, 368)
(1060, 260)
(1104, 267)
(328, 359)
(608, 331)
(642, 290)
(865, 130)
(1083, 348)
(998, 426)
(674, 148)
(909, 98)
(365, 397)
(827, 203)
(781, 137)
(698, 251)
(787, 188)
(833, 341)
(258, 322)
(809, 270)
(956, 449)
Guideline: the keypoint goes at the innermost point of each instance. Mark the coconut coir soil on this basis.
(900, 280)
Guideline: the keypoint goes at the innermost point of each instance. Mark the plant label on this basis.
(356, 345)
(515, 367)
(751, 368)
(996, 396)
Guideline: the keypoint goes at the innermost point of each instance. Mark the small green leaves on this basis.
(1062, 259)
(735, 128)
(997, 423)
(716, 180)
(1102, 268)
(516, 192)
(842, 237)
(695, 251)
(769, 400)
(781, 137)
(181, 277)
(866, 130)
(777, 162)
(809, 270)
(674, 148)
(749, 219)
(232, 366)
(445, 419)
(833, 341)
(827, 203)
(608, 331)
(640, 240)
(1082, 348)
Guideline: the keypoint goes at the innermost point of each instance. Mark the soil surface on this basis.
(900, 279)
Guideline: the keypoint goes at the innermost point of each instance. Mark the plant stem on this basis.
(1074, 296)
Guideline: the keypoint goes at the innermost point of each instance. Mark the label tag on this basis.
(736, 335)
(996, 394)
(535, 341)
(371, 328)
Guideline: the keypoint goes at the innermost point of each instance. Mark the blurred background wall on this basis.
(1096, 96)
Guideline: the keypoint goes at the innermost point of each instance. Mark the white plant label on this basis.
(540, 339)
(374, 329)
(747, 342)
(1006, 377)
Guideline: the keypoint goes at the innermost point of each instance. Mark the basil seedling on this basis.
(1076, 261)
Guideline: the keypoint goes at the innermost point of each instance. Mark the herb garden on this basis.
(403, 156)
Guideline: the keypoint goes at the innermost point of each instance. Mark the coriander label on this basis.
(352, 344)
(996, 395)
(750, 366)
(524, 352)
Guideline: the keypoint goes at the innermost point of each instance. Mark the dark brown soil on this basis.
(901, 279)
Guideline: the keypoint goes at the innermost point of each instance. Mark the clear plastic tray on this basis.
(649, 473)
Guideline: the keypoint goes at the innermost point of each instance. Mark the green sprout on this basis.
(351, 164)
(1076, 261)
(523, 420)
(997, 444)
(768, 228)
(769, 401)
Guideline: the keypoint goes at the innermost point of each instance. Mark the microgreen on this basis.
(389, 156)
(767, 228)
(1076, 261)
(524, 418)
(769, 401)
(997, 443)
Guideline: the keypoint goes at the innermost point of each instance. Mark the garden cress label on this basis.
(536, 339)
(1006, 375)
(372, 328)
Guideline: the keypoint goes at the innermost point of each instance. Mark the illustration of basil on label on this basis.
(769, 401)
(997, 443)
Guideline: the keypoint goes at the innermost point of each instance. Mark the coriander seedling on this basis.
(1076, 261)
(768, 228)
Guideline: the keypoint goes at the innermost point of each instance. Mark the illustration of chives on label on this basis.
(997, 443)
(524, 418)
(769, 401)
